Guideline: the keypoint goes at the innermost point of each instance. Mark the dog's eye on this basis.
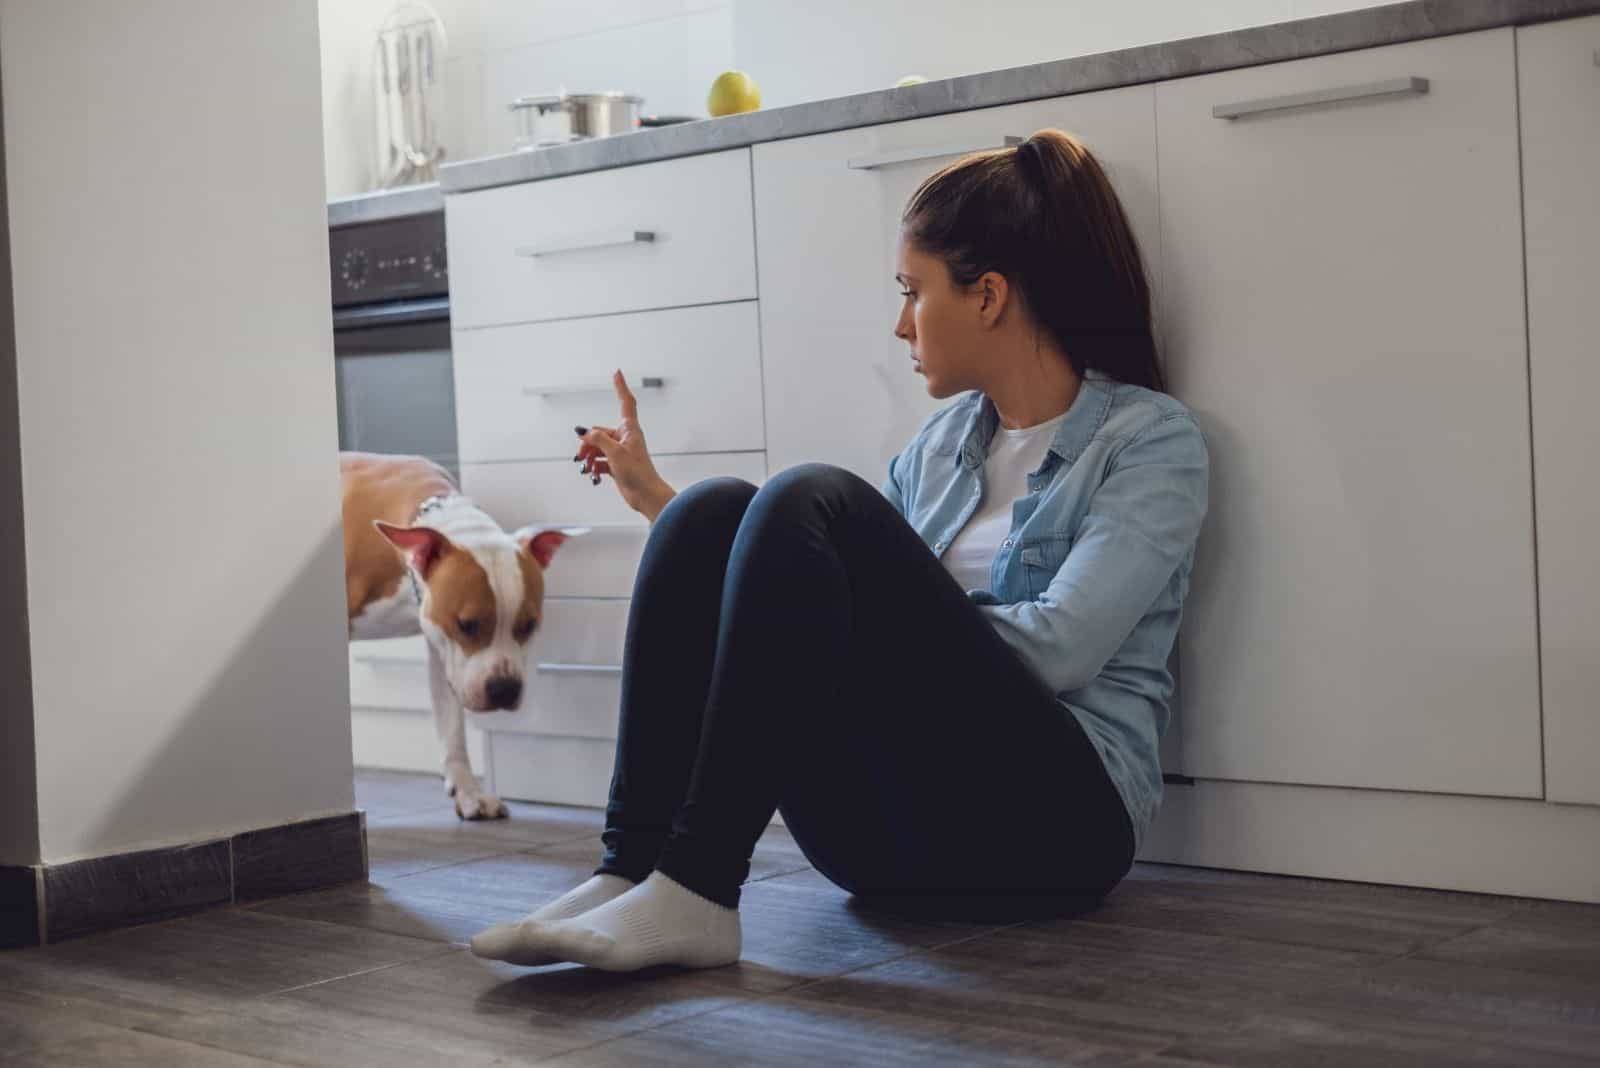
(524, 630)
(467, 627)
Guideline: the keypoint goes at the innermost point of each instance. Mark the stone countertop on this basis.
(1342, 32)
(385, 204)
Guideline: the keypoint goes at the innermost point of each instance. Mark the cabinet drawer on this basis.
(391, 673)
(602, 562)
(552, 770)
(574, 679)
(579, 636)
(570, 704)
(657, 235)
(696, 372)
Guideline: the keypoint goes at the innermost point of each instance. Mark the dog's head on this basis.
(482, 602)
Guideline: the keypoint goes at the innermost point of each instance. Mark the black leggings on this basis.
(799, 648)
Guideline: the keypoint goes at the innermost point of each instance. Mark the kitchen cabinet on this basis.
(1345, 317)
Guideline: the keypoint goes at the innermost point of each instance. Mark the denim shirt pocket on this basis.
(1042, 557)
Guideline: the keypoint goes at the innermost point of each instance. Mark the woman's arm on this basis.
(1141, 523)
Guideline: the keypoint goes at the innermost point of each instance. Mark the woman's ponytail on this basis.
(1044, 215)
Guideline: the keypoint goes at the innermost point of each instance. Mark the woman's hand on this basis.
(620, 452)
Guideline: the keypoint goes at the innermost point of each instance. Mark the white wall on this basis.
(823, 48)
(667, 51)
(175, 377)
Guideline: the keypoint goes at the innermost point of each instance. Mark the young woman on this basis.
(953, 688)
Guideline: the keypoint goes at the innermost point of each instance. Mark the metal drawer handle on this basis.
(606, 239)
(390, 660)
(580, 669)
(565, 391)
(911, 155)
(1388, 87)
(585, 528)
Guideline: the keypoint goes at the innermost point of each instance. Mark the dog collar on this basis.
(432, 504)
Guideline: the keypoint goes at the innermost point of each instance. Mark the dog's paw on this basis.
(471, 805)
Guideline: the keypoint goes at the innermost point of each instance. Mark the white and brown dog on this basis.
(421, 558)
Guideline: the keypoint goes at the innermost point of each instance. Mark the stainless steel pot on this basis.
(587, 115)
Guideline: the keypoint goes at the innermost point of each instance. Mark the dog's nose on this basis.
(503, 692)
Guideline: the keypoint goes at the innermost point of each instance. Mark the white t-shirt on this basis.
(1013, 455)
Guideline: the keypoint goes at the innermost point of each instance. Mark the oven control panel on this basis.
(393, 259)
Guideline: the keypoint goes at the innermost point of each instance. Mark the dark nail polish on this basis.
(582, 430)
(578, 457)
(597, 480)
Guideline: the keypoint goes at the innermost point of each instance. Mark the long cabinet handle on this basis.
(586, 527)
(911, 155)
(567, 391)
(606, 239)
(1387, 87)
(390, 660)
(580, 669)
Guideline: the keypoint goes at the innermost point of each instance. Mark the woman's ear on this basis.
(994, 293)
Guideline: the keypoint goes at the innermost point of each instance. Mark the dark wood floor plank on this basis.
(240, 1027)
(1548, 936)
(1407, 1012)
(393, 855)
(783, 1032)
(207, 961)
(455, 1009)
(30, 1022)
(393, 909)
(389, 793)
(804, 926)
(1122, 988)
(527, 825)
(1314, 912)
(130, 1049)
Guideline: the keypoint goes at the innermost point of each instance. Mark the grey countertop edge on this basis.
(1322, 35)
(385, 204)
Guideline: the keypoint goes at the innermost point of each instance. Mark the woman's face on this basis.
(942, 322)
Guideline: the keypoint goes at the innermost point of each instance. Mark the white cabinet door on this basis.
(1559, 65)
(1345, 318)
(839, 386)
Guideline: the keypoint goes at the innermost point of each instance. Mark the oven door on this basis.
(394, 379)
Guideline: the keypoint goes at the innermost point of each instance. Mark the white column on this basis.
(175, 403)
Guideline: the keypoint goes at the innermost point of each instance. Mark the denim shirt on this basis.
(1088, 586)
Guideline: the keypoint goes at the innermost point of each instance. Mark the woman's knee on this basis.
(814, 483)
(709, 499)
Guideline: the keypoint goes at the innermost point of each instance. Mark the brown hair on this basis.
(1044, 215)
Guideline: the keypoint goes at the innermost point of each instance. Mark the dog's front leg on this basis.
(450, 721)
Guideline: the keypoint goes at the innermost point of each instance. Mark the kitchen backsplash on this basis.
(668, 51)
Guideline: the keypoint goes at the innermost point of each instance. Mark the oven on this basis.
(391, 338)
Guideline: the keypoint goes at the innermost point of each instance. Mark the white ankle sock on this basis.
(508, 941)
(657, 922)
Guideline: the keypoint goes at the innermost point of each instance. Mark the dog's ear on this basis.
(422, 546)
(541, 543)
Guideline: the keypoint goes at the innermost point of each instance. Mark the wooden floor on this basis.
(1180, 967)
